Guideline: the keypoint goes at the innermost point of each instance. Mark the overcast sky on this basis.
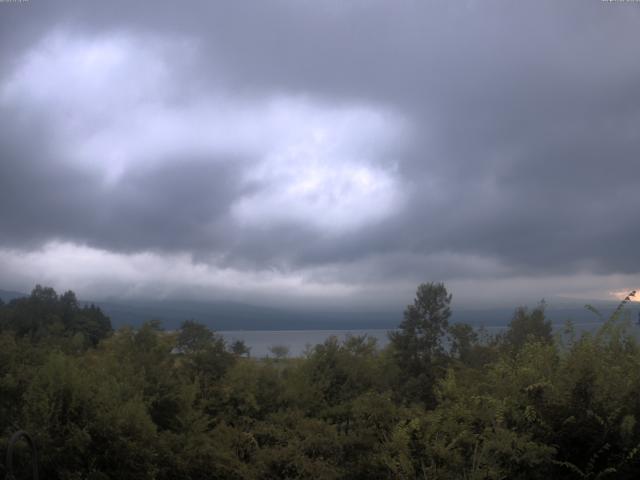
(320, 152)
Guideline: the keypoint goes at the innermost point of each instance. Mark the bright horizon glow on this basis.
(622, 294)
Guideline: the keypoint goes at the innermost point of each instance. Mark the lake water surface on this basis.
(298, 340)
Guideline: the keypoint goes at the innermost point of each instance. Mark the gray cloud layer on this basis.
(512, 150)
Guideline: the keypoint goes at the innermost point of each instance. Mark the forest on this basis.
(442, 401)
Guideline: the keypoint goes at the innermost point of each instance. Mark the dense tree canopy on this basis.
(45, 314)
(441, 401)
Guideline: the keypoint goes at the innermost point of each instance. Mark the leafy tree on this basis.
(463, 340)
(194, 337)
(418, 343)
(280, 352)
(252, 390)
(338, 372)
(92, 323)
(240, 348)
(206, 357)
(44, 314)
(528, 326)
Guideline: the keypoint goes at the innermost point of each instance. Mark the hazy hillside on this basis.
(241, 316)
(7, 295)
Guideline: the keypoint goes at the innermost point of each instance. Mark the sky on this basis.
(334, 153)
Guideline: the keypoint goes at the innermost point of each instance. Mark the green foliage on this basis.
(194, 337)
(45, 316)
(240, 349)
(527, 326)
(279, 351)
(151, 404)
(418, 343)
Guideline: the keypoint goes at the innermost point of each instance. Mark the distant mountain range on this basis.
(7, 295)
(240, 316)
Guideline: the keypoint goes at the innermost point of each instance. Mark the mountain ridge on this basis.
(229, 315)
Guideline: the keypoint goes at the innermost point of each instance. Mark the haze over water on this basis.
(299, 341)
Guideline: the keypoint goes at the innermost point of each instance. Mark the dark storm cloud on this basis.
(40, 199)
(175, 206)
(521, 143)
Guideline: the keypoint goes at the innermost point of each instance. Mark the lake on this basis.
(297, 340)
